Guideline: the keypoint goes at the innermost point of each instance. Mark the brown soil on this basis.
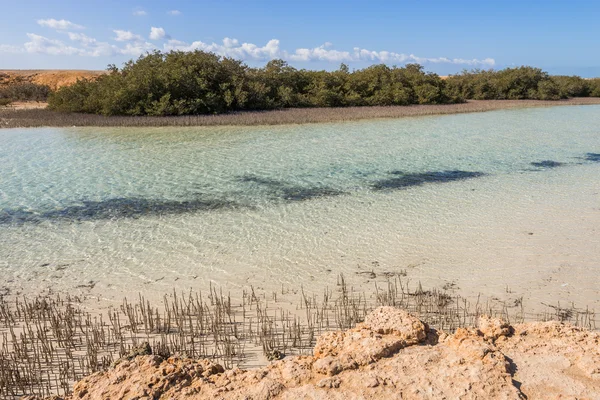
(391, 355)
(52, 78)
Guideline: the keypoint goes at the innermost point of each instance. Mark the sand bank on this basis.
(41, 117)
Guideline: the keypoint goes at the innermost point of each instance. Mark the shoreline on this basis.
(245, 332)
(41, 117)
(388, 349)
(252, 328)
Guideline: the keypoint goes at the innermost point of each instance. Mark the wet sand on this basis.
(45, 118)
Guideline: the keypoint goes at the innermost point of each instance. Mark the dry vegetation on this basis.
(392, 354)
(48, 343)
(25, 118)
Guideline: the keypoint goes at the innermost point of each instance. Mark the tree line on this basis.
(518, 84)
(193, 83)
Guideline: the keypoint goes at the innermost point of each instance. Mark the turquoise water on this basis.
(448, 198)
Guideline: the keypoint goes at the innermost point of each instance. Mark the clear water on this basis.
(450, 199)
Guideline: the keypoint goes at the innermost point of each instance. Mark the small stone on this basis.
(493, 328)
(274, 355)
(398, 322)
(328, 366)
(329, 383)
(372, 382)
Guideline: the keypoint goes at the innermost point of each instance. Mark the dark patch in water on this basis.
(285, 191)
(408, 180)
(593, 157)
(547, 164)
(299, 193)
(113, 209)
(261, 181)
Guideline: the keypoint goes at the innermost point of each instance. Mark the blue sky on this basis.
(445, 36)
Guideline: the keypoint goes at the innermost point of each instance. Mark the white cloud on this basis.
(158, 34)
(135, 45)
(139, 13)
(62, 24)
(93, 48)
(102, 49)
(174, 12)
(84, 46)
(231, 48)
(43, 45)
(81, 38)
(249, 51)
(137, 48)
(391, 57)
(321, 53)
(324, 53)
(175, 44)
(126, 36)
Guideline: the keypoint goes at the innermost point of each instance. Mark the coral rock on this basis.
(397, 322)
(385, 357)
(493, 328)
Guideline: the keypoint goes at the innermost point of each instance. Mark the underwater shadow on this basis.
(290, 192)
(116, 208)
(547, 164)
(593, 157)
(402, 180)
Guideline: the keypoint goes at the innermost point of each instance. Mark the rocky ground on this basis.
(392, 355)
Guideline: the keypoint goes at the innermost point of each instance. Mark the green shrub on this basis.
(194, 83)
(549, 90)
(594, 87)
(572, 86)
(188, 83)
(519, 83)
(507, 84)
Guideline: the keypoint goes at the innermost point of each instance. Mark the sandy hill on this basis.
(52, 78)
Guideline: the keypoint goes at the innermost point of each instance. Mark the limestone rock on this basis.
(493, 328)
(397, 322)
(385, 357)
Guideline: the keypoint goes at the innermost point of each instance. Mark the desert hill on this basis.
(52, 78)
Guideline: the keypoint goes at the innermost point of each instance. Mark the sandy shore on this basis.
(215, 329)
(25, 105)
(391, 353)
(292, 302)
(23, 118)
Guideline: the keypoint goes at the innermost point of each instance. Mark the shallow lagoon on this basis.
(504, 203)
